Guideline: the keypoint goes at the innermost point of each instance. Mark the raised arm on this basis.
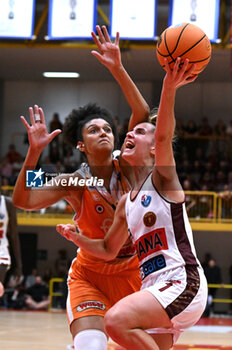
(165, 172)
(107, 248)
(165, 124)
(110, 56)
(39, 138)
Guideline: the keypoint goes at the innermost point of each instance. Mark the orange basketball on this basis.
(185, 40)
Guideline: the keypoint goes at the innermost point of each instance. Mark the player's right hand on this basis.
(38, 135)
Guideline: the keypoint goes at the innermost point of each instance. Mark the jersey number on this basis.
(169, 284)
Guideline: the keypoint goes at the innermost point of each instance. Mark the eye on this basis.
(92, 131)
(108, 130)
(140, 131)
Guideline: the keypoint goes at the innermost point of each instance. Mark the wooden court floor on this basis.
(30, 330)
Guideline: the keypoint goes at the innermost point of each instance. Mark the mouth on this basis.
(104, 140)
(129, 144)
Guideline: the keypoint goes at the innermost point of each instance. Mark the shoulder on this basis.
(121, 204)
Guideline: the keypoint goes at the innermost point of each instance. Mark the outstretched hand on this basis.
(68, 231)
(38, 135)
(179, 76)
(108, 53)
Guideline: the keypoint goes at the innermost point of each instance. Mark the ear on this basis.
(81, 146)
(152, 151)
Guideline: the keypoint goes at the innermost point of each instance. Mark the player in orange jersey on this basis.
(94, 285)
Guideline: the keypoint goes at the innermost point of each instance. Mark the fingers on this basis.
(54, 134)
(31, 113)
(167, 67)
(117, 39)
(177, 67)
(97, 55)
(182, 68)
(59, 228)
(103, 36)
(97, 42)
(106, 34)
(41, 113)
(67, 231)
(36, 116)
(100, 34)
(65, 228)
(191, 69)
(192, 78)
(25, 123)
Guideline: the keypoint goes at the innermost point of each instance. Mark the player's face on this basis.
(97, 137)
(138, 144)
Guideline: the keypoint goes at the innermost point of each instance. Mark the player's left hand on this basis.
(180, 75)
(108, 53)
(68, 231)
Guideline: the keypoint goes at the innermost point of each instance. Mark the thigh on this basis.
(84, 297)
(87, 322)
(141, 310)
(3, 271)
(118, 286)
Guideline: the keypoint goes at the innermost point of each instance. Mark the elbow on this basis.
(109, 254)
(144, 112)
(19, 204)
(147, 110)
(15, 202)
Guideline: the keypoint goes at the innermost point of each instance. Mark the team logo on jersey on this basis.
(151, 242)
(106, 225)
(168, 284)
(99, 208)
(149, 219)
(34, 178)
(145, 200)
(91, 304)
(152, 265)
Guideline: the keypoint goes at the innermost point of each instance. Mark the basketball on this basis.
(185, 40)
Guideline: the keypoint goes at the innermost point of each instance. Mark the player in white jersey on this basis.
(174, 289)
(8, 235)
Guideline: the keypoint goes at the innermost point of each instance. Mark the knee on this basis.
(115, 322)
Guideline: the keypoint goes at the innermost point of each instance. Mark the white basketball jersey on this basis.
(160, 231)
(4, 251)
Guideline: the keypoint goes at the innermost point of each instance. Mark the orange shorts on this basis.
(92, 294)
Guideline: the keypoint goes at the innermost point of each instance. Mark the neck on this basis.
(140, 174)
(101, 167)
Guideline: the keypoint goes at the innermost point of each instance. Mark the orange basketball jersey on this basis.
(96, 217)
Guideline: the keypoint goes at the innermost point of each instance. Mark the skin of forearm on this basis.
(165, 127)
(132, 94)
(21, 196)
(95, 247)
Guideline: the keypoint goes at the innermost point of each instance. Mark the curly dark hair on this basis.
(72, 129)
